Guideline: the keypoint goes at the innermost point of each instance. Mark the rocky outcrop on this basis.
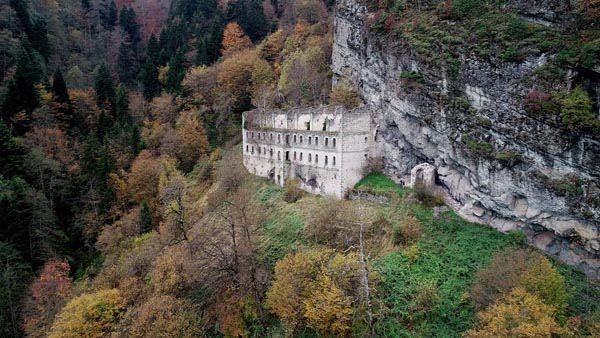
(517, 172)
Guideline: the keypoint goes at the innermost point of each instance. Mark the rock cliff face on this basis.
(518, 173)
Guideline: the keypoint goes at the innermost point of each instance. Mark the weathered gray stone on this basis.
(426, 126)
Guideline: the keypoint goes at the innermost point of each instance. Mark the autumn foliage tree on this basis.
(523, 268)
(234, 40)
(47, 294)
(318, 288)
(164, 316)
(520, 314)
(89, 315)
(193, 140)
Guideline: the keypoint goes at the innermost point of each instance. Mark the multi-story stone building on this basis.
(325, 148)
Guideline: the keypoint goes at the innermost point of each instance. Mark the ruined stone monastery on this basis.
(325, 148)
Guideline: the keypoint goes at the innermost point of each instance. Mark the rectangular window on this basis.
(326, 160)
(294, 155)
(334, 142)
(309, 158)
(300, 156)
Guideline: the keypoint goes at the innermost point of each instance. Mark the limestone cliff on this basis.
(503, 166)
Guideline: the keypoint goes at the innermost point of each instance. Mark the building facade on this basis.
(325, 148)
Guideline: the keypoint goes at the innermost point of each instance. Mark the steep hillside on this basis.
(502, 99)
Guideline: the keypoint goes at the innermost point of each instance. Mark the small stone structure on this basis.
(424, 174)
(325, 148)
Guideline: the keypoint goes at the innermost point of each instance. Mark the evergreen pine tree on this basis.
(175, 74)
(39, 37)
(202, 57)
(150, 82)
(153, 50)
(105, 87)
(108, 14)
(104, 169)
(22, 96)
(127, 67)
(22, 12)
(136, 140)
(213, 44)
(113, 14)
(11, 152)
(122, 106)
(104, 125)
(85, 4)
(128, 21)
(146, 220)
(59, 88)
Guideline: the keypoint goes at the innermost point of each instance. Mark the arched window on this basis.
(334, 142)
(279, 155)
(366, 139)
(252, 150)
(309, 158)
(300, 138)
(271, 136)
(278, 138)
(271, 152)
(247, 148)
(300, 156)
(316, 158)
(316, 140)
(294, 155)
(294, 138)
(309, 140)
(252, 134)
(333, 161)
(326, 160)
(327, 141)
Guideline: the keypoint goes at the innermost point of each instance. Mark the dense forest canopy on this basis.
(123, 199)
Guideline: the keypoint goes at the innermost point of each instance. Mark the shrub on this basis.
(373, 165)
(537, 102)
(408, 232)
(519, 268)
(520, 314)
(89, 315)
(424, 300)
(512, 54)
(164, 316)
(576, 111)
(330, 222)
(344, 95)
(292, 191)
(426, 196)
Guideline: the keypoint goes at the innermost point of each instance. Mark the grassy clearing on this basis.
(379, 184)
(425, 286)
(447, 257)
